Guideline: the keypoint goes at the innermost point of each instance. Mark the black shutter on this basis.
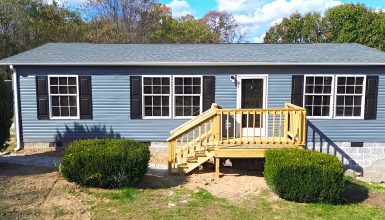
(297, 90)
(208, 91)
(42, 97)
(371, 97)
(136, 97)
(85, 97)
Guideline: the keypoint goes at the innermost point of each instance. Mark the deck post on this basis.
(217, 167)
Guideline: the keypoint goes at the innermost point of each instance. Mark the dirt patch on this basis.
(234, 185)
(376, 199)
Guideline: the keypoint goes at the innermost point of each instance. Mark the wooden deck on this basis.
(235, 133)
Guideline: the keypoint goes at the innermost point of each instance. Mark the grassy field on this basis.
(180, 203)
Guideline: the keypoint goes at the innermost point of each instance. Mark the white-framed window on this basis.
(350, 96)
(187, 96)
(318, 95)
(63, 93)
(156, 97)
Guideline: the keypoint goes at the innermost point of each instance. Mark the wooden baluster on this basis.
(206, 133)
(254, 117)
(273, 132)
(286, 126)
(247, 125)
(260, 126)
(200, 136)
(220, 128)
(241, 128)
(267, 126)
(227, 127)
(235, 125)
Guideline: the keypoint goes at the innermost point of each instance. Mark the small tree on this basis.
(6, 110)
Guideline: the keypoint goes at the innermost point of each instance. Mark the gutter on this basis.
(193, 64)
(16, 108)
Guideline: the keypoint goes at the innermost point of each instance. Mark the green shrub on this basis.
(106, 163)
(304, 176)
(6, 110)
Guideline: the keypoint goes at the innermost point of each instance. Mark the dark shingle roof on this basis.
(198, 54)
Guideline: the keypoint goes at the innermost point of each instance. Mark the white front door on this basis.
(252, 95)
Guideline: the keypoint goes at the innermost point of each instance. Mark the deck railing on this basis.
(219, 127)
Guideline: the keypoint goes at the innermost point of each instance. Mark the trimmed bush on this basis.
(106, 163)
(304, 176)
(6, 110)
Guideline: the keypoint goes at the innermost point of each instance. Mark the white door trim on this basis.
(256, 132)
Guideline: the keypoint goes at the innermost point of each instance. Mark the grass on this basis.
(180, 203)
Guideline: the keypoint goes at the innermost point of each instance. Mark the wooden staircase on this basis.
(220, 133)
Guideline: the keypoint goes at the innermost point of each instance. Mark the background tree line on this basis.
(348, 23)
(25, 24)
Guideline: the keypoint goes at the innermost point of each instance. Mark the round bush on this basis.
(304, 176)
(106, 163)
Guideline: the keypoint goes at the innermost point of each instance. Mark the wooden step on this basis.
(183, 165)
(192, 160)
(200, 153)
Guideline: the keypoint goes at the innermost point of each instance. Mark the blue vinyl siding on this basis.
(111, 103)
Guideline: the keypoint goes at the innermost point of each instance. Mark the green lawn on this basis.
(180, 203)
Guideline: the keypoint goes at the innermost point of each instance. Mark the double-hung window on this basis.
(187, 96)
(63, 97)
(318, 96)
(350, 97)
(338, 96)
(156, 96)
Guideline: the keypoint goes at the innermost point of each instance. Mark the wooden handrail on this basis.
(219, 128)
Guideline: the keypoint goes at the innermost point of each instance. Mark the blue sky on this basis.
(256, 16)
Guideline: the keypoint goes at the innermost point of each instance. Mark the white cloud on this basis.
(180, 8)
(260, 15)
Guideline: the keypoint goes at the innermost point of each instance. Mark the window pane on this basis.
(54, 90)
(156, 101)
(55, 101)
(165, 111)
(165, 101)
(179, 111)
(317, 111)
(165, 90)
(178, 90)
(196, 100)
(147, 90)
(325, 100)
(348, 111)
(341, 81)
(63, 81)
(341, 89)
(148, 111)
(359, 80)
(309, 89)
(156, 111)
(196, 111)
(325, 111)
(73, 112)
(319, 80)
(148, 100)
(309, 100)
(327, 89)
(54, 81)
(64, 111)
(178, 81)
(165, 81)
(197, 81)
(349, 89)
(318, 89)
(64, 101)
(55, 111)
(156, 81)
(187, 89)
(72, 100)
(187, 81)
(309, 110)
(197, 90)
(340, 111)
(358, 89)
(72, 89)
(350, 80)
(156, 90)
(147, 81)
(63, 90)
(357, 100)
(349, 100)
(187, 101)
(317, 100)
(187, 111)
(328, 81)
(357, 111)
(179, 101)
(72, 81)
(340, 100)
(309, 80)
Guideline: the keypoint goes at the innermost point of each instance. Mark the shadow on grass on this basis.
(354, 193)
(161, 182)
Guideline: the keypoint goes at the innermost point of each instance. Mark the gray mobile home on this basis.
(71, 91)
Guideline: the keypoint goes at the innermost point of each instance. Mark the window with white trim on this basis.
(187, 96)
(318, 95)
(350, 93)
(156, 96)
(63, 97)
